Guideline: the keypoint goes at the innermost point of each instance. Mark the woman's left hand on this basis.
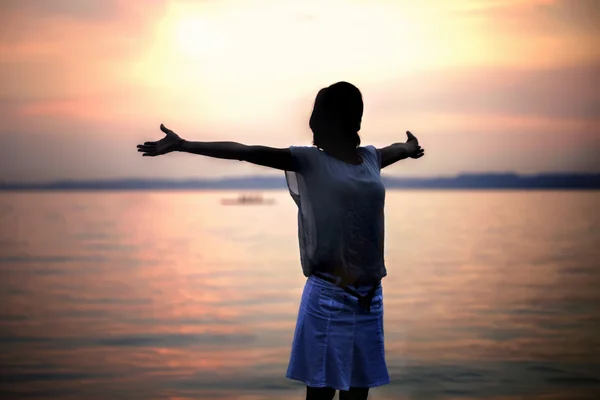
(170, 142)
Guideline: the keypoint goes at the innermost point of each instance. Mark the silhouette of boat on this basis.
(244, 199)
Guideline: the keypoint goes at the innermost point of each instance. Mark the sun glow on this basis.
(297, 44)
(195, 37)
(246, 60)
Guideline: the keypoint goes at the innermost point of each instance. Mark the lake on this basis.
(171, 295)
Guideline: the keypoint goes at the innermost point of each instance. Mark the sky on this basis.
(486, 85)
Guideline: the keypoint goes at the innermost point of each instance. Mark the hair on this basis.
(336, 116)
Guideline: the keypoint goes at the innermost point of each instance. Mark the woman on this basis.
(338, 342)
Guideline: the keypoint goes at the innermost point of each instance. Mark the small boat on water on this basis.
(244, 199)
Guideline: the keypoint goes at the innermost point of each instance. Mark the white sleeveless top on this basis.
(340, 213)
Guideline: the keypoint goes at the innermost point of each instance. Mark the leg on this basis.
(313, 393)
(354, 394)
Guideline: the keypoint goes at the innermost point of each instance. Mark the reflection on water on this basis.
(171, 296)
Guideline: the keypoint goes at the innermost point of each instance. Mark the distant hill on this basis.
(466, 181)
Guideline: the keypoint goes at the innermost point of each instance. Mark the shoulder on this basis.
(303, 156)
(373, 153)
(302, 150)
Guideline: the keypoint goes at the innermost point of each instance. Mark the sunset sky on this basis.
(486, 85)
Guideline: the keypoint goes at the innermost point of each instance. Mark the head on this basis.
(336, 117)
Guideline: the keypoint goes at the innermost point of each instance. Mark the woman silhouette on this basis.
(339, 341)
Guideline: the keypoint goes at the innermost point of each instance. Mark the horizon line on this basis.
(235, 177)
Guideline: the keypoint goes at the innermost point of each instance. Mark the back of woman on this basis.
(338, 344)
(341, 213)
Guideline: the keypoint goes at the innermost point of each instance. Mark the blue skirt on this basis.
(337, 343)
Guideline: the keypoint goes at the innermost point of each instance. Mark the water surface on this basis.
(170, 295)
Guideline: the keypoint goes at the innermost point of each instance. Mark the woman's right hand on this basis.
(169, 143)
(412, 146)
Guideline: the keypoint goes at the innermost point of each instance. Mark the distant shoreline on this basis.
(554, 181)
(457, 189)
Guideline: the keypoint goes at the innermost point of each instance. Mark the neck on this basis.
(348, 154)
(340, 150)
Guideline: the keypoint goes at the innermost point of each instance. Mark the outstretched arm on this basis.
(259, 155)
(400, 151)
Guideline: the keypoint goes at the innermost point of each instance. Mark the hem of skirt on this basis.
(307, 382)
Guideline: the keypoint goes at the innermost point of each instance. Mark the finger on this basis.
(146, 149)
(165, 129)
(150, 143)
(149, 155)
(419, 155)
(410, 136)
